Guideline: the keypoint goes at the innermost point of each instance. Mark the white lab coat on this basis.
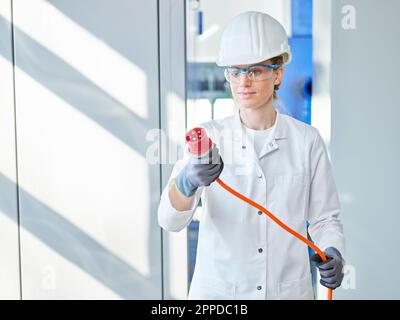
(242, 254)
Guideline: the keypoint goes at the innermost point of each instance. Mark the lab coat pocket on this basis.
(297, 289)
(288, 193)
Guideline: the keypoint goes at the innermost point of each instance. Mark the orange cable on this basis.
(280, 223)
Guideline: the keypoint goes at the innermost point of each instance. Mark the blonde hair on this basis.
(277, 60)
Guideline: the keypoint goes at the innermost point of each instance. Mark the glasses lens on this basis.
(259, 73)
(256, 73)
(232, 75)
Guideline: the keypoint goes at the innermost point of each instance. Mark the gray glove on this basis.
(331, 271)
(200, 172)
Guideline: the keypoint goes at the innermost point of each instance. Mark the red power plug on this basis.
(198, 141)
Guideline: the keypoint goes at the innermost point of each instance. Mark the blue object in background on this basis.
(301, 18)
(296, 88)
(295, 91)
(199, 22)
(193, 231)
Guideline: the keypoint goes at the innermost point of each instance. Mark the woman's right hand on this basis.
(200, 172)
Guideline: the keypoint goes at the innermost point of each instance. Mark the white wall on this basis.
(364, 142)
(9, 255)
(87, 92)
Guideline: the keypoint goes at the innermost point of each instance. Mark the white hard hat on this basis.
(253, 37)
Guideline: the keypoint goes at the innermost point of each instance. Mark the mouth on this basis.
(245, 95)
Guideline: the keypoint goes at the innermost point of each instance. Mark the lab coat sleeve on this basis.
(325, 229)
(169, 218)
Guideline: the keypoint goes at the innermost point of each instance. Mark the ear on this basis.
(278, 76)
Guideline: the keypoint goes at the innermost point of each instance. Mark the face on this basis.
(255, 94)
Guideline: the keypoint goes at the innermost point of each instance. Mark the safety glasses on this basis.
(256, 72)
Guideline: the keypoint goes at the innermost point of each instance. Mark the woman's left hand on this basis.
(331, 270)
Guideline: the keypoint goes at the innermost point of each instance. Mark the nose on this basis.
(244, 79)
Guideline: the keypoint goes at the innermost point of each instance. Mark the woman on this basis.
(271, 158)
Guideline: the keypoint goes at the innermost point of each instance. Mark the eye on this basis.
(234, 72)
(256, 71)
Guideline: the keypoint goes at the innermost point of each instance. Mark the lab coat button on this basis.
(271, 144)
(259, 288)
(243, 147)
(260, 250)
(259, 175)
(260, 213)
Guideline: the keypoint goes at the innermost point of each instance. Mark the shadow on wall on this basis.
(97, 105)
(75, 245)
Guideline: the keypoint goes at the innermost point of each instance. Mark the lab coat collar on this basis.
(244, 140)
(280, 130)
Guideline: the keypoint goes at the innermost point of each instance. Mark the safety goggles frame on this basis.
(246, 69)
